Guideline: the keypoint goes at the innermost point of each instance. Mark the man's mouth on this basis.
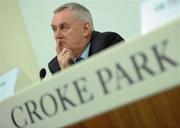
(62, 46)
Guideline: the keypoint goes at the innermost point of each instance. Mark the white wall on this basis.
(15, 46)
(121, 16)
(1, 67)
(155, 13)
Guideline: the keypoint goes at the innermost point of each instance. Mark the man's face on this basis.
(69, 32)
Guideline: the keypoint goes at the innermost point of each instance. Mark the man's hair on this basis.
(81, 12)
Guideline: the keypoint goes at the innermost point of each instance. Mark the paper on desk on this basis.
(8, 83)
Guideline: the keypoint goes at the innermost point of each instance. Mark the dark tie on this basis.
(79, 60)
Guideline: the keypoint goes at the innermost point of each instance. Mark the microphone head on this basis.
(42, 73)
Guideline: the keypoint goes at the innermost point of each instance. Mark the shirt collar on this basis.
(85, 53)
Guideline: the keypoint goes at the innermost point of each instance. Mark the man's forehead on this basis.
(63, 16)
(66, 13)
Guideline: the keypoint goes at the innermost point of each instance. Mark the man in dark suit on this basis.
(75, 36)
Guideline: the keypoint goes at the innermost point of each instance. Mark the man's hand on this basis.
(65, 58)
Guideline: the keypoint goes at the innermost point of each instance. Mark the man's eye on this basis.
(64, 28)
(54, 29)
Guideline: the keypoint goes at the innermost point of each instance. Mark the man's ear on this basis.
(87, 29)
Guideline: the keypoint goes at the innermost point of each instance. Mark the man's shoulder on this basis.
(104, 34)
(102, 40)
(106, 38)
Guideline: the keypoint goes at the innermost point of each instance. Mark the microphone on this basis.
(42, 73)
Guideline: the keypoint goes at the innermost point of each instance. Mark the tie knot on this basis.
(79, 60)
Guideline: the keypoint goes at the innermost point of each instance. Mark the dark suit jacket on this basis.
(99, 41)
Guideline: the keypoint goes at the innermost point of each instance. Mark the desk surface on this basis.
(159, 111)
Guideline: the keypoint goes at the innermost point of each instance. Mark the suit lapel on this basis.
(95, 45)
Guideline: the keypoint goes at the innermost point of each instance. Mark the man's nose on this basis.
(58, 34)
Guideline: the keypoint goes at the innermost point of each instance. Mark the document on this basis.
(8, 83)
